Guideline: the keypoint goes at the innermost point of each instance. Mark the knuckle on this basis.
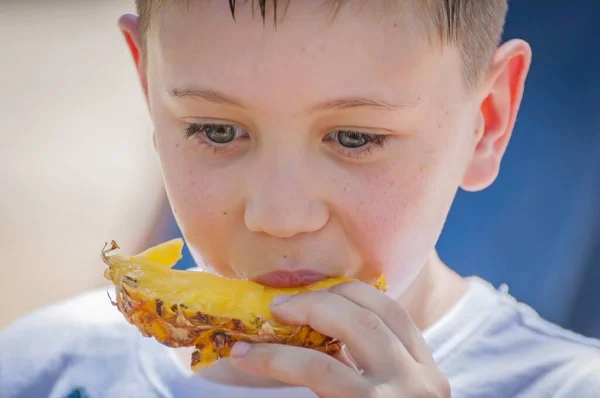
(317, 369)
(393, 310)
(314, 301)
(266, 360)
(369, 392)
(369, 321)
(427, 386)
(443, 387)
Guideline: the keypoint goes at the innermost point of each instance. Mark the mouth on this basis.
(290, 278)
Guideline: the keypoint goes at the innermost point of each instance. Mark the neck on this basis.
(433, 293)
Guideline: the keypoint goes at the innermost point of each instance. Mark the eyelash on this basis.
(374, 141)
(195, 130)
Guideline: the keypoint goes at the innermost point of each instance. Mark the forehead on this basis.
(357, 49)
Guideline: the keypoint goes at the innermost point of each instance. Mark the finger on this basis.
(344, 357)
(392, 314)
(371, 343)
(299, 366)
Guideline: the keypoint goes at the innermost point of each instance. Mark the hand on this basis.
(379, 335)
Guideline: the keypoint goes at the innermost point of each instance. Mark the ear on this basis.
(130, 28)
(501, 93)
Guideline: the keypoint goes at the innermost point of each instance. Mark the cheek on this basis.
(390, 227)
(399, 213)
(203, 199)
(197, 192)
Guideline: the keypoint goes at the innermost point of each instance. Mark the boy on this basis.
(329, 140)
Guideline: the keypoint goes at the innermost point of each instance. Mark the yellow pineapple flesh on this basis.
(183, 309)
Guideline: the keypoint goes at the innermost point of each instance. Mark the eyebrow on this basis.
(207, 95)
(336, 104)
(356, 103)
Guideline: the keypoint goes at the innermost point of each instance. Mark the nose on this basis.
(285, 218)
(284, 201)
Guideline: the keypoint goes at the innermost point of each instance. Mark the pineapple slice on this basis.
(200, 309)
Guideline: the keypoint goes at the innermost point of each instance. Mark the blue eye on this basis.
(218, 137)
(221, 134)
(217, 133)
(352, 139)
(355, 144)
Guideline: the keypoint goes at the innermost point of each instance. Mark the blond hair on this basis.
(473, 26)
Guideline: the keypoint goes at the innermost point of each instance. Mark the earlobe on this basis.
(128, 24)
(502, 94)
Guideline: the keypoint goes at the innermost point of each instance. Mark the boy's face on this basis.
(334, 147)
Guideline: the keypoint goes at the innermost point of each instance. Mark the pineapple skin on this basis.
(203, 310)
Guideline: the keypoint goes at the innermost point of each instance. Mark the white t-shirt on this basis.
(488, 345)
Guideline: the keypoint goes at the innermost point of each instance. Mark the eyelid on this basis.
(376, 142)
(192, 129)
(208, 120)
(372, 136)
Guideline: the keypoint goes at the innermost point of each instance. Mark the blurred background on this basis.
(77, 165)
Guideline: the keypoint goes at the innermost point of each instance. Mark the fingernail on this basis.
(239, 349)
(280, 300)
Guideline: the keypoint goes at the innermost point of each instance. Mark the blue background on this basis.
(538, 227)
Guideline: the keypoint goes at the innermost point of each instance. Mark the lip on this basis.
(284, 278)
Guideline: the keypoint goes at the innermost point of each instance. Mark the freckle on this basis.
(176, 145)
(284, 256)
(391, 183)
(224, 213)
